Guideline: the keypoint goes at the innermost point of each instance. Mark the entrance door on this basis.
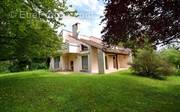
(72, 66)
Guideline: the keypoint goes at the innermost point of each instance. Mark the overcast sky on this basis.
(89, 12)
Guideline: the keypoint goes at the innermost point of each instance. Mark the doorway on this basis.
(115, 62)
(72, 65)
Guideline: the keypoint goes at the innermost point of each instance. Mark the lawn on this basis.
(43, 91)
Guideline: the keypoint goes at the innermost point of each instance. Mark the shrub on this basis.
(20, 65)
(148, 63)
(4, 66)
(178, 73)
(35, 66)
(28, 64)
(39, 63)
(172, 56)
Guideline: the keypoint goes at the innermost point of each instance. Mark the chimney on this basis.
(75, 30)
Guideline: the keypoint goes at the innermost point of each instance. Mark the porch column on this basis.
(90, 60)
(61, 63)
(130, 58)
(51, 67)
(101, 61)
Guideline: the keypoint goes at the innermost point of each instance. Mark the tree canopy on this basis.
(28, 28)
(130, 21)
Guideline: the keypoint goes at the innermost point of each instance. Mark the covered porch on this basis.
(65, 62)
(111, 61)
(114, 62)
(70, 62)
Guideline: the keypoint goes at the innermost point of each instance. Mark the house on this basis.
(88, 54)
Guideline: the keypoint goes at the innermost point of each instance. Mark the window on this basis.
(84, 62)
(56, 62)
(84, 48)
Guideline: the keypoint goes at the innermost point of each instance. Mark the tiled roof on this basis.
(70, 39)
(106, 49)
(96, 42)
(92, 43)
(118, 51)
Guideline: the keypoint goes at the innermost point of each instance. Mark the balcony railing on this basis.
(71, 48)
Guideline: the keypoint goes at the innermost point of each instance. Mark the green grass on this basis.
(43, 91)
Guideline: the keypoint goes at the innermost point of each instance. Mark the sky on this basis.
(89, 12)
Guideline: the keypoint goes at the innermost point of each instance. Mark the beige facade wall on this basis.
(110, 62)
(51, 67)
(74, 58)
(123, 61)
(101, 62)
(94, 60)
(120, 63)
(63, 61)
(66, 62)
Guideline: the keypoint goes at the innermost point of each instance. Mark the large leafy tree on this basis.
(130, 21)
(28, 28)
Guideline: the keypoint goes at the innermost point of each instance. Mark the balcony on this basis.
(71, 48)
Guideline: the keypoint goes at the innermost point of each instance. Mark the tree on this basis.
(148, 63)
(127, 21)
(172, 56)
(39, 41)
(28, 28)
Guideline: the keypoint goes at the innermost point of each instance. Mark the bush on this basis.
(28, 64)
(150, 64)
(39, 63)
(36, 66)
(20, 65)
(177, 72)
(172, 56)
(4, 66)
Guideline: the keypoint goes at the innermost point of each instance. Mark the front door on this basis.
(72, 66)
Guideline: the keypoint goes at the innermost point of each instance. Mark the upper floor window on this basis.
(84, 48)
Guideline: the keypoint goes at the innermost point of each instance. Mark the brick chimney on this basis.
(75, 30)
